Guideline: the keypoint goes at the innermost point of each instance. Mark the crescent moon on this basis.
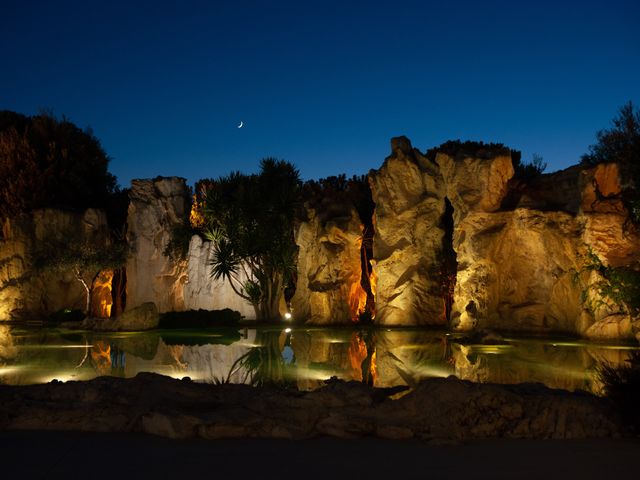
(241, 124)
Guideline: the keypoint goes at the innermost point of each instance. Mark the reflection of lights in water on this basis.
(431, 371)
(316, 374)
(51, 347)
(8, 370)
(287, 330)
(412, 347)
(335, 340)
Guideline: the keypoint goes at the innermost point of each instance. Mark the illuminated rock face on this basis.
(201, 291)
(409, 194)
(522, 251)
(156, 206)
(329, 269)
(517, 271)
(27, 294)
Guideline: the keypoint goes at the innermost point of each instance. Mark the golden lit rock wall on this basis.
(409, 194)
(329, 271)
(26, 294)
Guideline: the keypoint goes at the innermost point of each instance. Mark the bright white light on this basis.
(287, 316)
(287, 330)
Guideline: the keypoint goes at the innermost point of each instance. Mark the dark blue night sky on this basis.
(323, 84)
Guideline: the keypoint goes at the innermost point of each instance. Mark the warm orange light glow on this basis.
(374, 369)
(357, 300)
(101, 300)
(357, 353)
(196, 218)
(101, 356)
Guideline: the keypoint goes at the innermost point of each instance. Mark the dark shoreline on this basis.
(435, 410)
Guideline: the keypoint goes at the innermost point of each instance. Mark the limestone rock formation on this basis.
(408, 191)
(329, 268)
(522, 249)
(201, 291)
(27, 294)
(156, 207)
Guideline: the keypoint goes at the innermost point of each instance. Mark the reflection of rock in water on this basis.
(101, 357)
(406, 357)
(557, 366)
(206, 363)
(321, 354)
(8, 350)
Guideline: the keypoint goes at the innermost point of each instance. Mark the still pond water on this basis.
(303, 357)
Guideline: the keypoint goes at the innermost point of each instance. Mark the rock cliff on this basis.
(28, 294)
(156, 207)
(409, 192)
(201, 291)
(328, 289)
(524, 251)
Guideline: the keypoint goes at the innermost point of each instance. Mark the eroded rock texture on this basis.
(156, 206)
(27, 294)
(524, 250)
(329, 268)
(409, 192)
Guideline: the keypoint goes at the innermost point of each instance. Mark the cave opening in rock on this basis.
(119, 291)
(365, 206)
(449, 262)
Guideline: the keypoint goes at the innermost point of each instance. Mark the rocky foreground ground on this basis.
(437, 409)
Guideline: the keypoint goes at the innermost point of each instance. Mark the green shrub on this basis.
(66, 315)
(200, 319)
(178, 246)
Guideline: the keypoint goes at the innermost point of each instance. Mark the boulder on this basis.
(143, 317)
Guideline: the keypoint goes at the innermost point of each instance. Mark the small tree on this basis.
(621, 144)
(249, 219)
(86, 260)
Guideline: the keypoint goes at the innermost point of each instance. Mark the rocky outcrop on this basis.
(523, 250)
(329, 267)
(409, 193)
(444, 409)
(156, 207)
(202, 291)
(27, 294)
(143, 317)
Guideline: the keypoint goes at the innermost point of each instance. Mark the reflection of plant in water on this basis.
(264, 364)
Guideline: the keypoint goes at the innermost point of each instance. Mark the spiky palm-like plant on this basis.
(249, 219)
